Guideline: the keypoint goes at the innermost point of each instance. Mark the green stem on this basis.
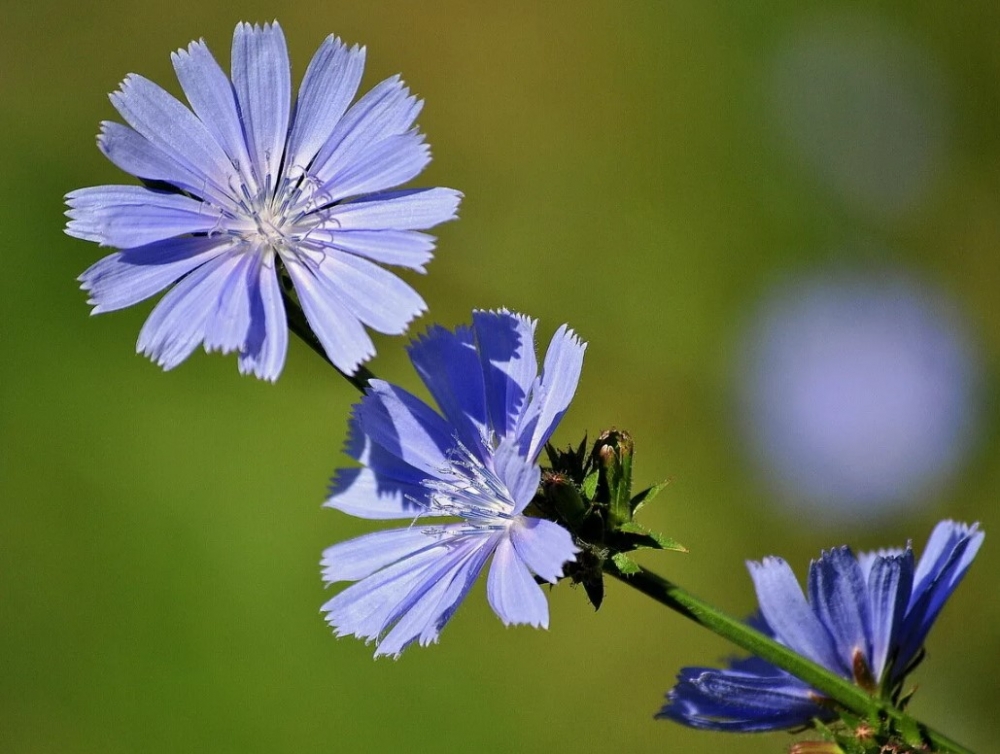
(739, 633)
(298, 324)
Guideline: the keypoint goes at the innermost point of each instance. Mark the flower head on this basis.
(475, 461)
(866, 619)
(246, 185)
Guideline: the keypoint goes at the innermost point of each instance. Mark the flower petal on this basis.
(366, 608)
(374, 295)
(839, 596)
(506, 344)
(519, 475)
(387, 110)
(263, 352)
(261, 76)
(786, 611)
(729, 700)
(211, 96)
(405, 248)
(128, 277)
(174, 129)
(409, 209)
(545, 547)
(382, 165)
(889, 583)
(226, 327)
(448, 364)
(406, 427)
(339, 331)
(177, 324)
(366, 494)
(362, 556)
(420, 592)
(135, 154)
(512, 592)
(947, 557)
(434, 606)
(130, 216)
(330, 83)
(560, 376)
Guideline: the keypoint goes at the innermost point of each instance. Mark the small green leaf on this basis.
(625, 564)
(590, 485)
(646, 495)
(643, 538)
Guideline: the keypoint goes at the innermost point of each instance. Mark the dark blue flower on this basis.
(475, 461)
(246, 183)
(866, 619)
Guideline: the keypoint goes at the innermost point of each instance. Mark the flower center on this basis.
(469, 489)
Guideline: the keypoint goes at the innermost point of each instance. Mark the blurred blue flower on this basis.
(860, 392)
(245, 185)
(476, 461)
(866, 619)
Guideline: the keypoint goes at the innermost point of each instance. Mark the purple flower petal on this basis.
(377, 297)
(726, 700)
(512, 592)
(177, 324)
(839, 595)
(387, 110)
(365, 494)
(261, 76)
(947, 557)
(506, 344)
(434, 605)
(330, 83)
(560, 376)
(135, 154)
(448, 364)
(360, 557)
(381, 165)
(130, 216)
(415, 209)
(343, 337)
(404, 248)
(786, 611)
(263, 352)
(211, 96)
(543, 546)
(406, 427)
(128, 277)
(889, 583)
(147, 108)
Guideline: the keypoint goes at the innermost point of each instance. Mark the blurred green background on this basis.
(624, 171)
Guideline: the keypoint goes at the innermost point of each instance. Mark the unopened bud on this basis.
(562, 494)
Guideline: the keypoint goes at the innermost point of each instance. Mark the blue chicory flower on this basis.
(866, 619)
(246, 184)
(475, 461)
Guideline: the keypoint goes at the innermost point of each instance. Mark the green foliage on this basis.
(590, 492)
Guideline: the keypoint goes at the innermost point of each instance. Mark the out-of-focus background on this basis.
(778, 231)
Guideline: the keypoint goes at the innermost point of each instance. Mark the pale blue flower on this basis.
(476, 461)
(861, 393)
(246, 184)
(866, 619)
